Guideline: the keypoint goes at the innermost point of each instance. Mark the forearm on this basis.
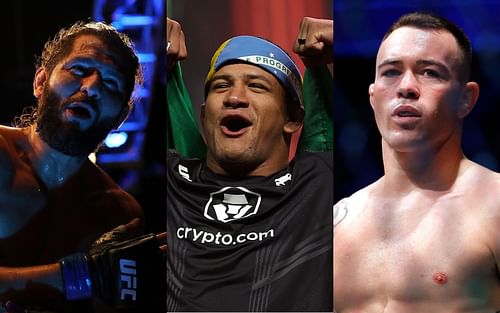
(28, 283)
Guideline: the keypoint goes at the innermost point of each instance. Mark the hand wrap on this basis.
(124, 273)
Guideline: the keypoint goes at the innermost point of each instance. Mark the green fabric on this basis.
(182, 129)
(317, 133)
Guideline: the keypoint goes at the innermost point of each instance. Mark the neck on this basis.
(434, 168)
(52, 166)
(239, 168)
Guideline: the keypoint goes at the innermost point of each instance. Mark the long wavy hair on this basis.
(57, 48)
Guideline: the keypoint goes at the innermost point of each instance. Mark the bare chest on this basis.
(47, 228)
(39, 225)
(22, 195)
(411, 255)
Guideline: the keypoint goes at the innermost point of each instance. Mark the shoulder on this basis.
(482, 187)
(10, 137)
(11, 141)
(356, 203)
(174, 157)
(317, 159)
(105, 193)
(179, 167)
(6, 150)
(324, 155)
(486, 191)
(171, 153)
(364, 195)
(340, 211)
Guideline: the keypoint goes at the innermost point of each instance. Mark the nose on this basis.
(408, 87)
(236, 97)
(91, 84)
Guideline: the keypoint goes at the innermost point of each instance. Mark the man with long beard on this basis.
(53, 200)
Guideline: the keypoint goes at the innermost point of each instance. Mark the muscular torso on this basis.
(426, 251)
(38, 224)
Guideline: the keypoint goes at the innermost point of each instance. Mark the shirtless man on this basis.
(53, 200)
(426, 236)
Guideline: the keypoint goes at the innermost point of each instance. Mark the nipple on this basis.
(440, 278)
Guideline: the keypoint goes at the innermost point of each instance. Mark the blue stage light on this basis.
(116, 139)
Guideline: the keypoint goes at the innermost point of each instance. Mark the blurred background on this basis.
(135, 155)
(359, 27)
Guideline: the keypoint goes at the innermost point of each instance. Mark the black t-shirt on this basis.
(251, 244)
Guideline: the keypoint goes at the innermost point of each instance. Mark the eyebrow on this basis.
(440, 65)
(112, 68)
(396, 62)
(106, 51)
(389, 62)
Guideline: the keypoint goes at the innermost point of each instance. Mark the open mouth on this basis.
(81, 110)
(235, 125)
(407, 114)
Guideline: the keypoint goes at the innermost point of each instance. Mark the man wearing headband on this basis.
(425, 237)
(247, 229)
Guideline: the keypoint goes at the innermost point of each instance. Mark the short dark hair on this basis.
(423, 20)
(61, 45)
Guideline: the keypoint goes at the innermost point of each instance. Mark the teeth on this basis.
(406, 114)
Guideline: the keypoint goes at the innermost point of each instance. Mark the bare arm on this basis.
(496, 242)
(490, 226)
(33, 282)
(84, 276)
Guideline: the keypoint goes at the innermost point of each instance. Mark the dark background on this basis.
(25, 26)
(359, 27)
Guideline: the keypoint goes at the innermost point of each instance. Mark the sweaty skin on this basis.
(51, 223)
(53, 204)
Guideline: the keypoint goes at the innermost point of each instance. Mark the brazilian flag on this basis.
(182, 131)
(317, 133)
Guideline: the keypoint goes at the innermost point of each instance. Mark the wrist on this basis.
(76, 276)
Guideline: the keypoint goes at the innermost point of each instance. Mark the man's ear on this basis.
(39, 81)
(469, 99)
(370, 93)
(202, 111)
(202, 121)
(295, 120)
